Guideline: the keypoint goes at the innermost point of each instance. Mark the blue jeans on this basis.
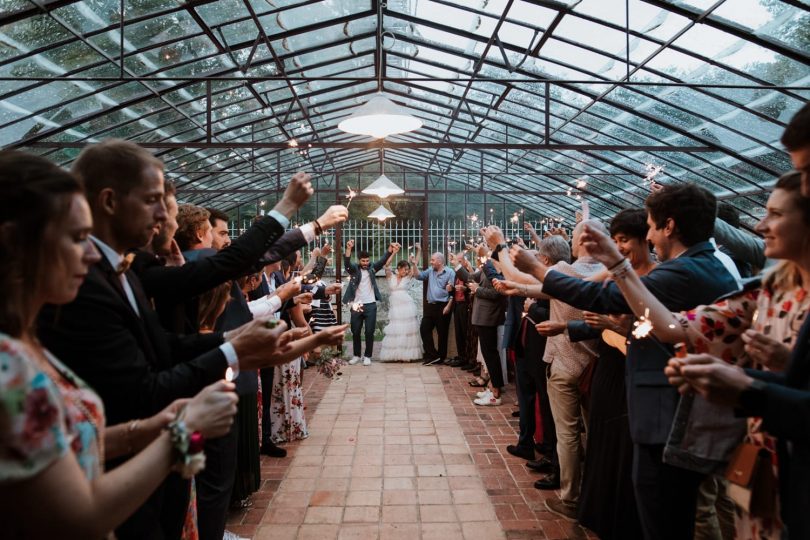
(369, 317)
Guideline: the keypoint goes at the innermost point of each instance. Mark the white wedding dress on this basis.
(401, 339)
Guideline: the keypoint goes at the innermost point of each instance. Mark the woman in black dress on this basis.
(607, 504)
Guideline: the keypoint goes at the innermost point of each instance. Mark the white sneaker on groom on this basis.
(354, 360)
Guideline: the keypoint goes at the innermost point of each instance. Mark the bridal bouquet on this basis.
(329, 362)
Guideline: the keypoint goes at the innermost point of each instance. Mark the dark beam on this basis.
(402, 145)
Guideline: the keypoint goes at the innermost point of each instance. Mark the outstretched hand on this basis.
(709, 376)
(493, 236)
(600, 246)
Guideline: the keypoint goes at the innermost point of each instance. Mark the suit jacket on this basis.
(489, 306)
(235, 315)
(696, 277)
(784, 405)
(355, 274)
(290, 241)
(132, 363)
(173, 287)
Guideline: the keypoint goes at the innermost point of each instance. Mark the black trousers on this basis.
(266, 375)
(368, 317)
(488, 339)
(529, 378)
(215, 483)
(434, 318)
(666, 496)
(460, 325)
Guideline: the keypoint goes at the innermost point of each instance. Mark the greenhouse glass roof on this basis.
(552, 99)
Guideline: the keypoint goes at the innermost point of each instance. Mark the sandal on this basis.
(479, 382)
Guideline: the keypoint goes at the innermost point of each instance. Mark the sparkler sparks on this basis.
(357, 307)
(230, 374)
(652, 172)
(643, 326)
(352, 194)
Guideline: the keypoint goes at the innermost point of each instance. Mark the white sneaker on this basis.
(483, 393)
(488, 401)
(354, 360)
(366, 361)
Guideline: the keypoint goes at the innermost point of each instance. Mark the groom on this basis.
(362, 295)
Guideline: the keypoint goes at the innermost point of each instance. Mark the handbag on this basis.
(752, 483)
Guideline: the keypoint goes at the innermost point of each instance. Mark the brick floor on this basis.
(400, 451)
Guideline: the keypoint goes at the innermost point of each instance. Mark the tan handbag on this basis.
(752, 484)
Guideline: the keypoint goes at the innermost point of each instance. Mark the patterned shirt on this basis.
(43, 414)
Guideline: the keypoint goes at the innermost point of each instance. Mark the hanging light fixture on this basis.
(381, 213)
(382, 187)
(380, 117)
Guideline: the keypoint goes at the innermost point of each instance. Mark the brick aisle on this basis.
(400, 451)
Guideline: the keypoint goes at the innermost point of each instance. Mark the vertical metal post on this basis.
(121, 37)
(627, 36)
(208, 111)
(548, 112)
(338, 251)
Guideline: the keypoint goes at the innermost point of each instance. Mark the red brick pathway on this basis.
(519, 507)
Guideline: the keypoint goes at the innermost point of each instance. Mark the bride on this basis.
(401, 339)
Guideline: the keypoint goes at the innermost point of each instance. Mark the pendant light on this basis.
(380, 117)
(381, 213)
(382, 187)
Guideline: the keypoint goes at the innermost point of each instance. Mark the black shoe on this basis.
(427, 359)
(552, 481)
(447, 361)
(515, 414)
(540, 465)
(458, 362)
(520, 451)
(435, 361)
(270, 449)
(470, 367)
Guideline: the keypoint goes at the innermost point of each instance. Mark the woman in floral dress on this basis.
(756, 327)
(52, 425)
(287, 395)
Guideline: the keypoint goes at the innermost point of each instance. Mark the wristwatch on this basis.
(497, 250)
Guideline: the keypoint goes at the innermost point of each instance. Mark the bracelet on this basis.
(318, 228)
(621, 270)
(128, 434)
(615, 266)
(188, 447)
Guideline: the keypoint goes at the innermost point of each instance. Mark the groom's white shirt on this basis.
(365, 292)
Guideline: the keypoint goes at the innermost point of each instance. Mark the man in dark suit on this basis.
(681, 219)
(363, 294)
(489, 312)
(111, 337)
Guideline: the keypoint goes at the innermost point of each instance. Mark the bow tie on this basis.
(125, 263)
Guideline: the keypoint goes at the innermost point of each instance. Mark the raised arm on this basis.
(532, 233)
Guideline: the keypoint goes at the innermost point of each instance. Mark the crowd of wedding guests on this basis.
(668, 354)
(146, 359)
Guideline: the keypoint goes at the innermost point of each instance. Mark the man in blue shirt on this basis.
(438, 305)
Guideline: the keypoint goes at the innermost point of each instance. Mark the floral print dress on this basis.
(716, 329)
(287, 420)
(45, 411)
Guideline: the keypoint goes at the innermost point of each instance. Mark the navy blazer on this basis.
(784, 405)
(696, 277)
(353, 269)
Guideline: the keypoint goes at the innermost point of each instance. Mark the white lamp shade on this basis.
(381, 213)
(380, 117)
(382, 187)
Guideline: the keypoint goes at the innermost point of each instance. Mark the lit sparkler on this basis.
(515, 218)
(230, 375)
(643, 326)
(352, 194)
(357, 307)
(652, 172)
